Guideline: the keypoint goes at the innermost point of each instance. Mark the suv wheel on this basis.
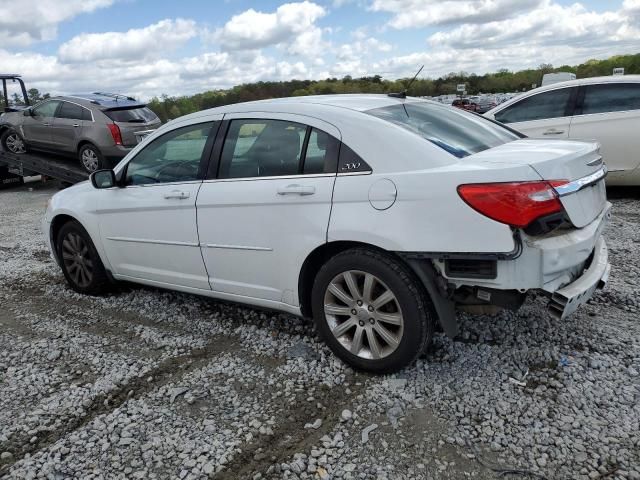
(371, 311)
(91, 158)
(80, 262)
(13, 142)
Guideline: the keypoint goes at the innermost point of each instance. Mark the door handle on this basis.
(296, 190)
(176, 194)
(45, 124)
(76, 125)
(553, 131)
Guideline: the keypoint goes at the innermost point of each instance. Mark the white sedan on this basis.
(375, 215)
(602, 109)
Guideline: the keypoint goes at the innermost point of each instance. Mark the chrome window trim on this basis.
(272, 177)
(580, 183)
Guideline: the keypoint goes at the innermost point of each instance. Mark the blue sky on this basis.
(148, 48)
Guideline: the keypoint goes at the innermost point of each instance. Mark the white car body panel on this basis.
(240, 240)
(615, 131)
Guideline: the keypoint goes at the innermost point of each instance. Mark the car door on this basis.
(148, 225)
(610, 114)
(36, 128)
(542, 115)
(266, 203)
(67, 126)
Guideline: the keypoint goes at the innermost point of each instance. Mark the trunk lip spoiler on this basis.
(584, 182)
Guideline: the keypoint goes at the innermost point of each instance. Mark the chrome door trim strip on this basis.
(153, 242)
(580, 183)
(239, 247)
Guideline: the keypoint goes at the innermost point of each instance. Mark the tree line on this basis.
(168, 108)
(503, 80)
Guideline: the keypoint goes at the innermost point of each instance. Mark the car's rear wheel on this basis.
(13, 142)
(91, 158)
(80, 262)
(370, 310)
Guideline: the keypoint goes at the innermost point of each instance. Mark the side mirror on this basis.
(27, 112)
(103, 178)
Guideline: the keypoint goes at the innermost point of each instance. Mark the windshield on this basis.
(132, 115)
(454, 130)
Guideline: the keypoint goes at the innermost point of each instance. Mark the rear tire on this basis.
(91, 158)
(371, 310)
(79, 260)
(13, 142)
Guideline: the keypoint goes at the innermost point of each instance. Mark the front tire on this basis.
(91, 158)
(79, 260)
(371, 310)
(13, 142)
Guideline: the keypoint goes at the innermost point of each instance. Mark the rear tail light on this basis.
(516, 203)
(115, 133)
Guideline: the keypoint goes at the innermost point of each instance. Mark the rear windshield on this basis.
(454, 130)
(132, 115)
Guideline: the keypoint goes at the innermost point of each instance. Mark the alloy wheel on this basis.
(75, 255)
(90, 160)
(363, 314)
(15, 144)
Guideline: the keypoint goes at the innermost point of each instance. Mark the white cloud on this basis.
(550, 25)
(252, 29)
(28, 21)
(135, 44)
(421, 13)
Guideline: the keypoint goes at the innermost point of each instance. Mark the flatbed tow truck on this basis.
(13, 168)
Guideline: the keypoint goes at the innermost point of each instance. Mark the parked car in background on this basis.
(375, 215)
(465, 104)
(100, 128)
(484, 104)
(604, 109)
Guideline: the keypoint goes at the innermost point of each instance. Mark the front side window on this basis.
(615, 97)
(553, 104)
(262, 148)
(458, 132)
(46, 109)
(173, 157)
(70, 111)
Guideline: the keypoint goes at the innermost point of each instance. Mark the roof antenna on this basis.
(403, 94)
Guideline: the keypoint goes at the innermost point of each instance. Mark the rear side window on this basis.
(458, 132)
(615, 97)
(553, 104)
(70, 111)
(322, 153)
(132, 115)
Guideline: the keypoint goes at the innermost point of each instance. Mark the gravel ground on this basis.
(152, 384)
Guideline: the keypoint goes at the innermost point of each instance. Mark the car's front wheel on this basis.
(13, 142)
(79, 260)
(91, 158)
(370, 310)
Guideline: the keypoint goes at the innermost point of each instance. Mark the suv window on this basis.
(46, 109)
(458, 132)
(132, 115)
(552, 104)
(173, 157)
(70, 110)
(615, 97)
(262, 148)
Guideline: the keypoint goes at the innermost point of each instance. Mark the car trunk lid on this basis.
(579, 164)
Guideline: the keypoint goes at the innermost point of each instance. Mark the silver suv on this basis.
(98, 128)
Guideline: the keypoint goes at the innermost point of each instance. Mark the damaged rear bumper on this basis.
(566, 300)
